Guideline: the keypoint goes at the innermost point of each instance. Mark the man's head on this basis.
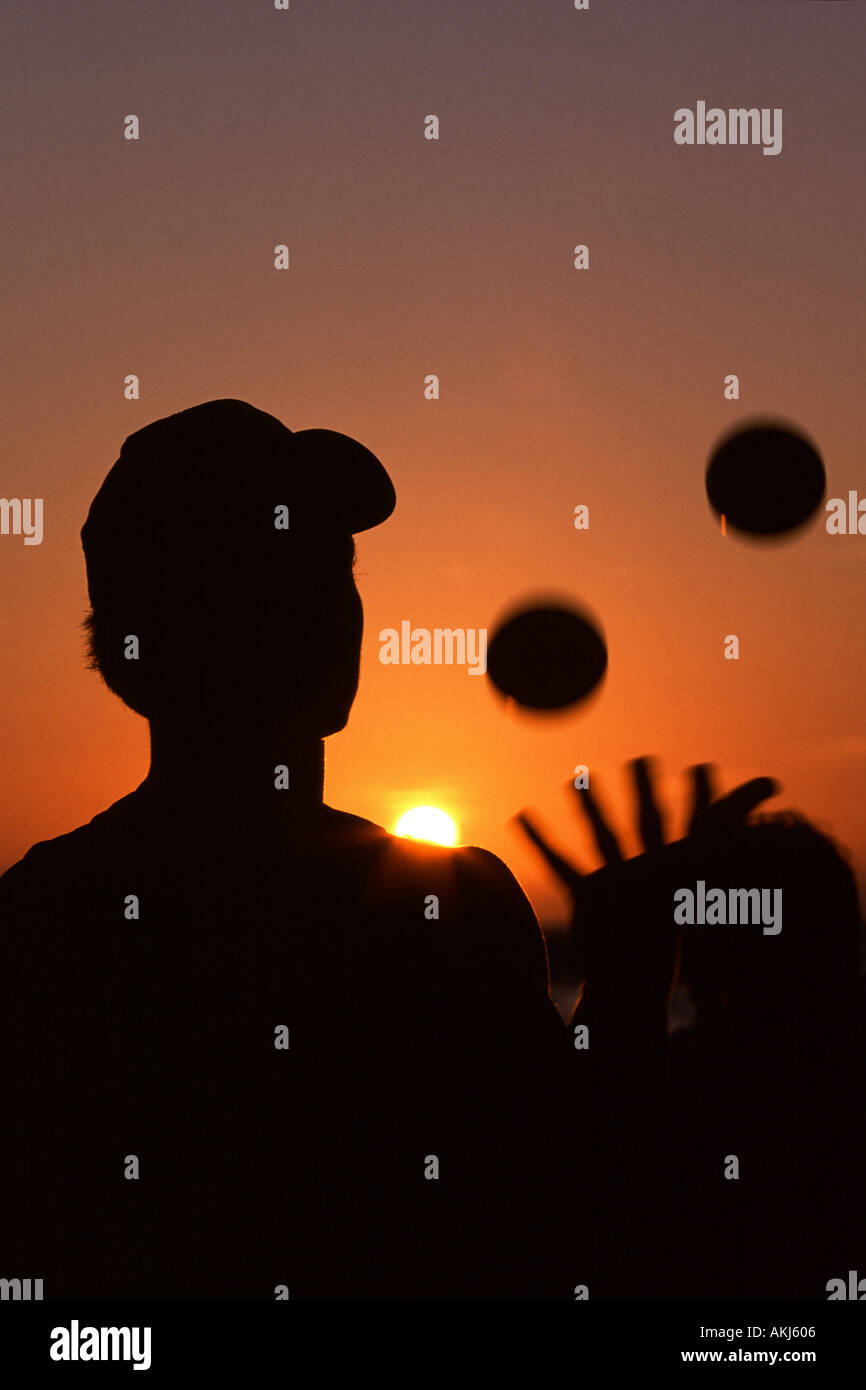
(812, 962)
(222, 542)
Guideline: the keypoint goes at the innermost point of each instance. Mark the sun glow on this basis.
(427, 823)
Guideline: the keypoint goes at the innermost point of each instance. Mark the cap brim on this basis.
(345, 480)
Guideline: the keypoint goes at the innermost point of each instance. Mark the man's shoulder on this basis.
(49, 864)
(466, 895)
(470, 867)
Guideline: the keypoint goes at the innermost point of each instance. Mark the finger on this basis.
(604, 836)
(566, 872)
(730, 811)
(702, 794)
(649, 817)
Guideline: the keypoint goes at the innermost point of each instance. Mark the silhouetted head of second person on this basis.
(802, 971)
(220, 567)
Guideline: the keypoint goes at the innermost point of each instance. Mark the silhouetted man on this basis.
(252, 1044)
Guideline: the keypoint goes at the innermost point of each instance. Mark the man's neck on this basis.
(237, 781)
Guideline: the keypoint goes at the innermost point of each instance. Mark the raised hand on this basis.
(623, 912)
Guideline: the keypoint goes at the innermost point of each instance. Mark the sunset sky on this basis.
(558, 387)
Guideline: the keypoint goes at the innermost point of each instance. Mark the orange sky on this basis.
(558, 387)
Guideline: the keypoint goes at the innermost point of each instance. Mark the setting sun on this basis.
(427, 823)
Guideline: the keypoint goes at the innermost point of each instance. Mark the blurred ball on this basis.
(546, 657)
(765, 479)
